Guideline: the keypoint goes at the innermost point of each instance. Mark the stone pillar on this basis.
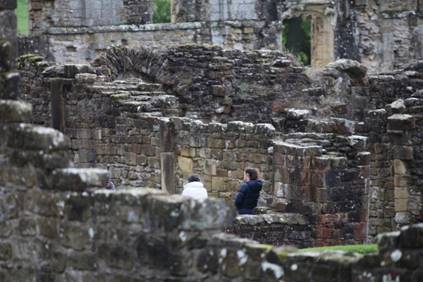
(323, 40)
(186, 11)
(167, 156)
(8, 78)
(57, 104)
(58, 89)
(293, 175)
(399, 129)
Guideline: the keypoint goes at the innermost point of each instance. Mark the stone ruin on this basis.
(384, 35)
(339, 147)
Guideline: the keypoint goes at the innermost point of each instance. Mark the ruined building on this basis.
(338, 143)
(384, 35)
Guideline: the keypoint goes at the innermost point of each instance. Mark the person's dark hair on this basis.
(193, 178)
(252, 173)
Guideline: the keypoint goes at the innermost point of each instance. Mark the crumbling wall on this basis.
(278, 229)
(388, 33)
(395, 144)
(222, 10)
(59, 13)
(79, 45)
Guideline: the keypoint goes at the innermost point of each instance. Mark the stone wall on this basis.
(73, 45)
(216, 84)
(395, 144)
(221, 10)
(277, 229)
(383, 36)
(143, 136)
(59, 13)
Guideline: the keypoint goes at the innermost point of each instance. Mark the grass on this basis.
(361, 249)
(23, 17)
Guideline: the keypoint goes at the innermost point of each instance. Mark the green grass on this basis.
(361, 249)
(23, 17)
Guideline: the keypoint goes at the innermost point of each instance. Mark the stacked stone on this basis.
(312, 178)
(277, 229)
(220, 153)
(8, 78)
(139, 12)
(233, 85)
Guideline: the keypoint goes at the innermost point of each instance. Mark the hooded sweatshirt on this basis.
(195, 190)
(248, 195)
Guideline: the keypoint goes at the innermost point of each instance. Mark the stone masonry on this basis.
(383, 36)
(341, 160)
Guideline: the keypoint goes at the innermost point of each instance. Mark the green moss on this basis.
(122, 96)
(361, 249)
(33, 58)
(265, 247)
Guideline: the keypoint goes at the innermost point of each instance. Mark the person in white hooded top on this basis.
(195, 189)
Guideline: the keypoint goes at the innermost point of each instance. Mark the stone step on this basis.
(32, 137)
(147, 93)
(149, 87)
(78, 179)
(12, 111)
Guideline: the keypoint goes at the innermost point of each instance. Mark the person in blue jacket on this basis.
(249, 192)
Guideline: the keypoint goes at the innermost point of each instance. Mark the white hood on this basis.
(195, 190)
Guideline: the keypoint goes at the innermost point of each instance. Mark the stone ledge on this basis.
(282, 218)
(31, 137)
(14, 111)
(78, 179)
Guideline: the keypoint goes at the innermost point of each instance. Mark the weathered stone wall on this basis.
(277, 229)
(215, 84)
(82, 44)
(222, 10)
(383, 36)
(395, 144)
(60, 13)
(133, 128)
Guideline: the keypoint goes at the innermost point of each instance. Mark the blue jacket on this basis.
(248, 195)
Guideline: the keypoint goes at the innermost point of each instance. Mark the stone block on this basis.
(31, 137)
(185, 165)
(14, 111)
(116, 257)
(401, 122)
(216, 143)
(76, 237)
(411, 237)
(48, 227)
(400, 167)
(5, 55)
(8, 4)
(210, 167)
(5, 251)
(401, 181)
(401, 204)
(83, 261)
(74, 179)
(218, 184)
(403, 152)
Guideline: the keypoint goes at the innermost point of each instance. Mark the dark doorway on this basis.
(296, 38)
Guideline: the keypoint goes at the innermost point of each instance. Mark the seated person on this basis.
(195, 189)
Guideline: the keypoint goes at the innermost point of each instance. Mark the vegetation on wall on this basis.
(296, 38)
(162, 11)
(22, 14)
(361, 249)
